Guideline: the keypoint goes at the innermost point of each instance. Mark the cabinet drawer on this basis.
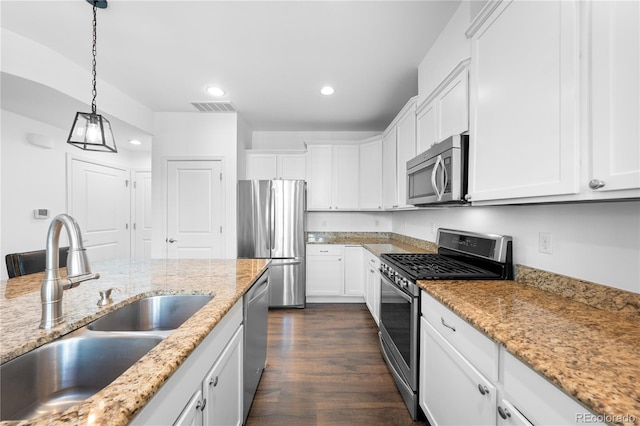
(481, 351)
(537, 398)
(372, 260)
(325, 250)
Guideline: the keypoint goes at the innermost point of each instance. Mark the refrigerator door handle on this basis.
(293, 262)
(272, 207)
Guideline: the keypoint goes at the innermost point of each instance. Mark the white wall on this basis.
(188, 135)
(597, 242)
(447, 51)
(349, 222)
(34, 177)
(296, 140)
(30, 60)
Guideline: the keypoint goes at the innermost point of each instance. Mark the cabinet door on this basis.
(370, 176)
(427, 126)
(353, 276)
(292, 166)
(346, 176)
(525, 102)
(375, 300)
(325, 275)
(452, 391)
(453, 107)
(389, 170)
(262, 166)
(508, 415)
(223, 386)
(406, 151)
(192, 413)
(319, 176)
(615, 88)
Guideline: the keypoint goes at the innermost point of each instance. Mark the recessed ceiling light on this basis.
(327, 90)
(135, 142)
(215, 91)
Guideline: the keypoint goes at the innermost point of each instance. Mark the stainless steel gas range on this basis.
(461, 256)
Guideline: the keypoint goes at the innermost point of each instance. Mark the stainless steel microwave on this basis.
(439, 174)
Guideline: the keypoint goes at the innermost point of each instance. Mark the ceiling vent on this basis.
(214, 106)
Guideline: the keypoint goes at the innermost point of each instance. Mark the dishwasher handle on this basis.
(259, 288)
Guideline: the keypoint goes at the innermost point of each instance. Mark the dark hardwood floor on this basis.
(324, 368)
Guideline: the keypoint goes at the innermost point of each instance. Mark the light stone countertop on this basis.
(118, 403)
(592, 354)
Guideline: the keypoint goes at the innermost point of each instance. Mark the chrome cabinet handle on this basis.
(483, 390)
(596, 183)
(214, 381)
(201, 404)
(504, 412)
(447, 325)
(171, 240)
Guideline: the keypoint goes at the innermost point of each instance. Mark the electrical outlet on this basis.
(545, 242)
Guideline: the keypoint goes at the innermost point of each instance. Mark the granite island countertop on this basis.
(119, 402)
(592, 354)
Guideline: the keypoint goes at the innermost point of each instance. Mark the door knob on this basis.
(171, 240)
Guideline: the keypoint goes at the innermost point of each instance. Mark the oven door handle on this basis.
(401, 293)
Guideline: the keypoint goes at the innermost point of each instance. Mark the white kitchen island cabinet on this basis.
(524, 100)
(207, 387)
(332, 176)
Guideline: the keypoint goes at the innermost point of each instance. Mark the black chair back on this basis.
(31, 262)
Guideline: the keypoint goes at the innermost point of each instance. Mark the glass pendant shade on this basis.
(92, 132)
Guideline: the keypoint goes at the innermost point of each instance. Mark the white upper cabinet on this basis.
(370, 176)
(276, 165)
(427, 126)
(524, 100)
(389, 174)
(615, 96)
(332, 177)
(445, 112)
(405, 149)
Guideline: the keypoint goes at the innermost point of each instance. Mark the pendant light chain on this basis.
(94, 92)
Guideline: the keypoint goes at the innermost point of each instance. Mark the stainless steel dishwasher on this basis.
(256, 311)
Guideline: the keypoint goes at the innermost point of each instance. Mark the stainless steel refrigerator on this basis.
(271, 225)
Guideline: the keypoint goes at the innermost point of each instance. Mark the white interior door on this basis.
(142, 215)
(195, 209)
(99, 201)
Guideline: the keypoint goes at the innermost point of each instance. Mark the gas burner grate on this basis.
(435, 266)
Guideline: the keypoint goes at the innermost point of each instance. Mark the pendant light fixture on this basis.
(91, 131)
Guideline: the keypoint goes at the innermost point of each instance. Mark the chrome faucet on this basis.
(77, 269)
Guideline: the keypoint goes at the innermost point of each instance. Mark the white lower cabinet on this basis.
(207, 388)
(467, 379)
(537, 399)
(334, 273)
(452, 391)
(372, 284)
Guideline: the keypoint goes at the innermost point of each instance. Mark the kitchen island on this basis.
(118, 403)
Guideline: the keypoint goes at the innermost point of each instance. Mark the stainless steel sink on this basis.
(65, 372)
(156, 313)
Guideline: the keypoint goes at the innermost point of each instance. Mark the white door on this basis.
(195, 209)
(141, 247)
(99, 201)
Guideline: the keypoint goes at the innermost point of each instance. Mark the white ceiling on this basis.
(271, 57)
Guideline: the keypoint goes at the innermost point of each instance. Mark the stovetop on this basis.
(461, 255)
(435, 266)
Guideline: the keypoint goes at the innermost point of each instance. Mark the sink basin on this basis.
(55, 376)
(154, 313)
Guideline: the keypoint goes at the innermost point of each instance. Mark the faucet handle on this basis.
(76, 280)
(105, 296)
